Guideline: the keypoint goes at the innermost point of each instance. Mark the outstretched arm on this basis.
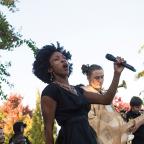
(48, 107)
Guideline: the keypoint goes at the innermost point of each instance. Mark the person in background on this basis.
(135, 111)
(18, 137)
(102, 115)
(66, 103)
(2, 137)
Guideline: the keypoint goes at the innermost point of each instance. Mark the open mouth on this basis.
(65, 66)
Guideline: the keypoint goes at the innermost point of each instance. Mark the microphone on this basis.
(112, 58)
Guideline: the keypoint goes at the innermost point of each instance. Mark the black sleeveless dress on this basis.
(72, 115)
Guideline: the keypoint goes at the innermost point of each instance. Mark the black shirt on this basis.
(19, 139)
(139, 134)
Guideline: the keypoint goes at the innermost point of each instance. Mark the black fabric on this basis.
(131, 115)
(19, 139)
(72, 115)
(139, 134)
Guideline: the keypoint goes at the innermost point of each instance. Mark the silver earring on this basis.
(51, 77)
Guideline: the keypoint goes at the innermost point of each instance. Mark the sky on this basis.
(89, 29)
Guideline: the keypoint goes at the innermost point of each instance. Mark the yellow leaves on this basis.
(140, 74)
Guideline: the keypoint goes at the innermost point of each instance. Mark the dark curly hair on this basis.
(136, 101)
(41, 63)
(17, 127)
(88, 69)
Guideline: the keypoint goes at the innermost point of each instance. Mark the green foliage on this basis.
(9, 40)
(141, 49)
(141, 73)
(37, 131)
(31, 44)
(10, 4)
(3, 75)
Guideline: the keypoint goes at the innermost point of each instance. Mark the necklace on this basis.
(100, 91)
(67, 87)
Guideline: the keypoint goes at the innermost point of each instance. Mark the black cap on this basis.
(17, 126)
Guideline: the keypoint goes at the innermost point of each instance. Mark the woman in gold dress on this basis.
(108, 124)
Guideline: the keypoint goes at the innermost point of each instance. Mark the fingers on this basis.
(120, 60)
(118, 65)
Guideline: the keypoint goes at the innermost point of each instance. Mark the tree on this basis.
(3, 75)
(11, 4)
(141, 73)
(37, 131)
(12, 110)
(9, 40)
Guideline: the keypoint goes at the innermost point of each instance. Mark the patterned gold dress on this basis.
(108, 124)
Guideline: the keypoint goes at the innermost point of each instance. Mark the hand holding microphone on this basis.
(112, 58)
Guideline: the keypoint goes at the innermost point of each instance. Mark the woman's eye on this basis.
(56, 59)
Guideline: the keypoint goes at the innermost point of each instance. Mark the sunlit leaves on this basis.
(10, 4)
(140, 74)
(12, 110)
(141, 49)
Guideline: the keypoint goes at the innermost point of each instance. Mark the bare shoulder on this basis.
(47, 101)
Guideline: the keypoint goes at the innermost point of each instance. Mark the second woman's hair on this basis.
(88, 69)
